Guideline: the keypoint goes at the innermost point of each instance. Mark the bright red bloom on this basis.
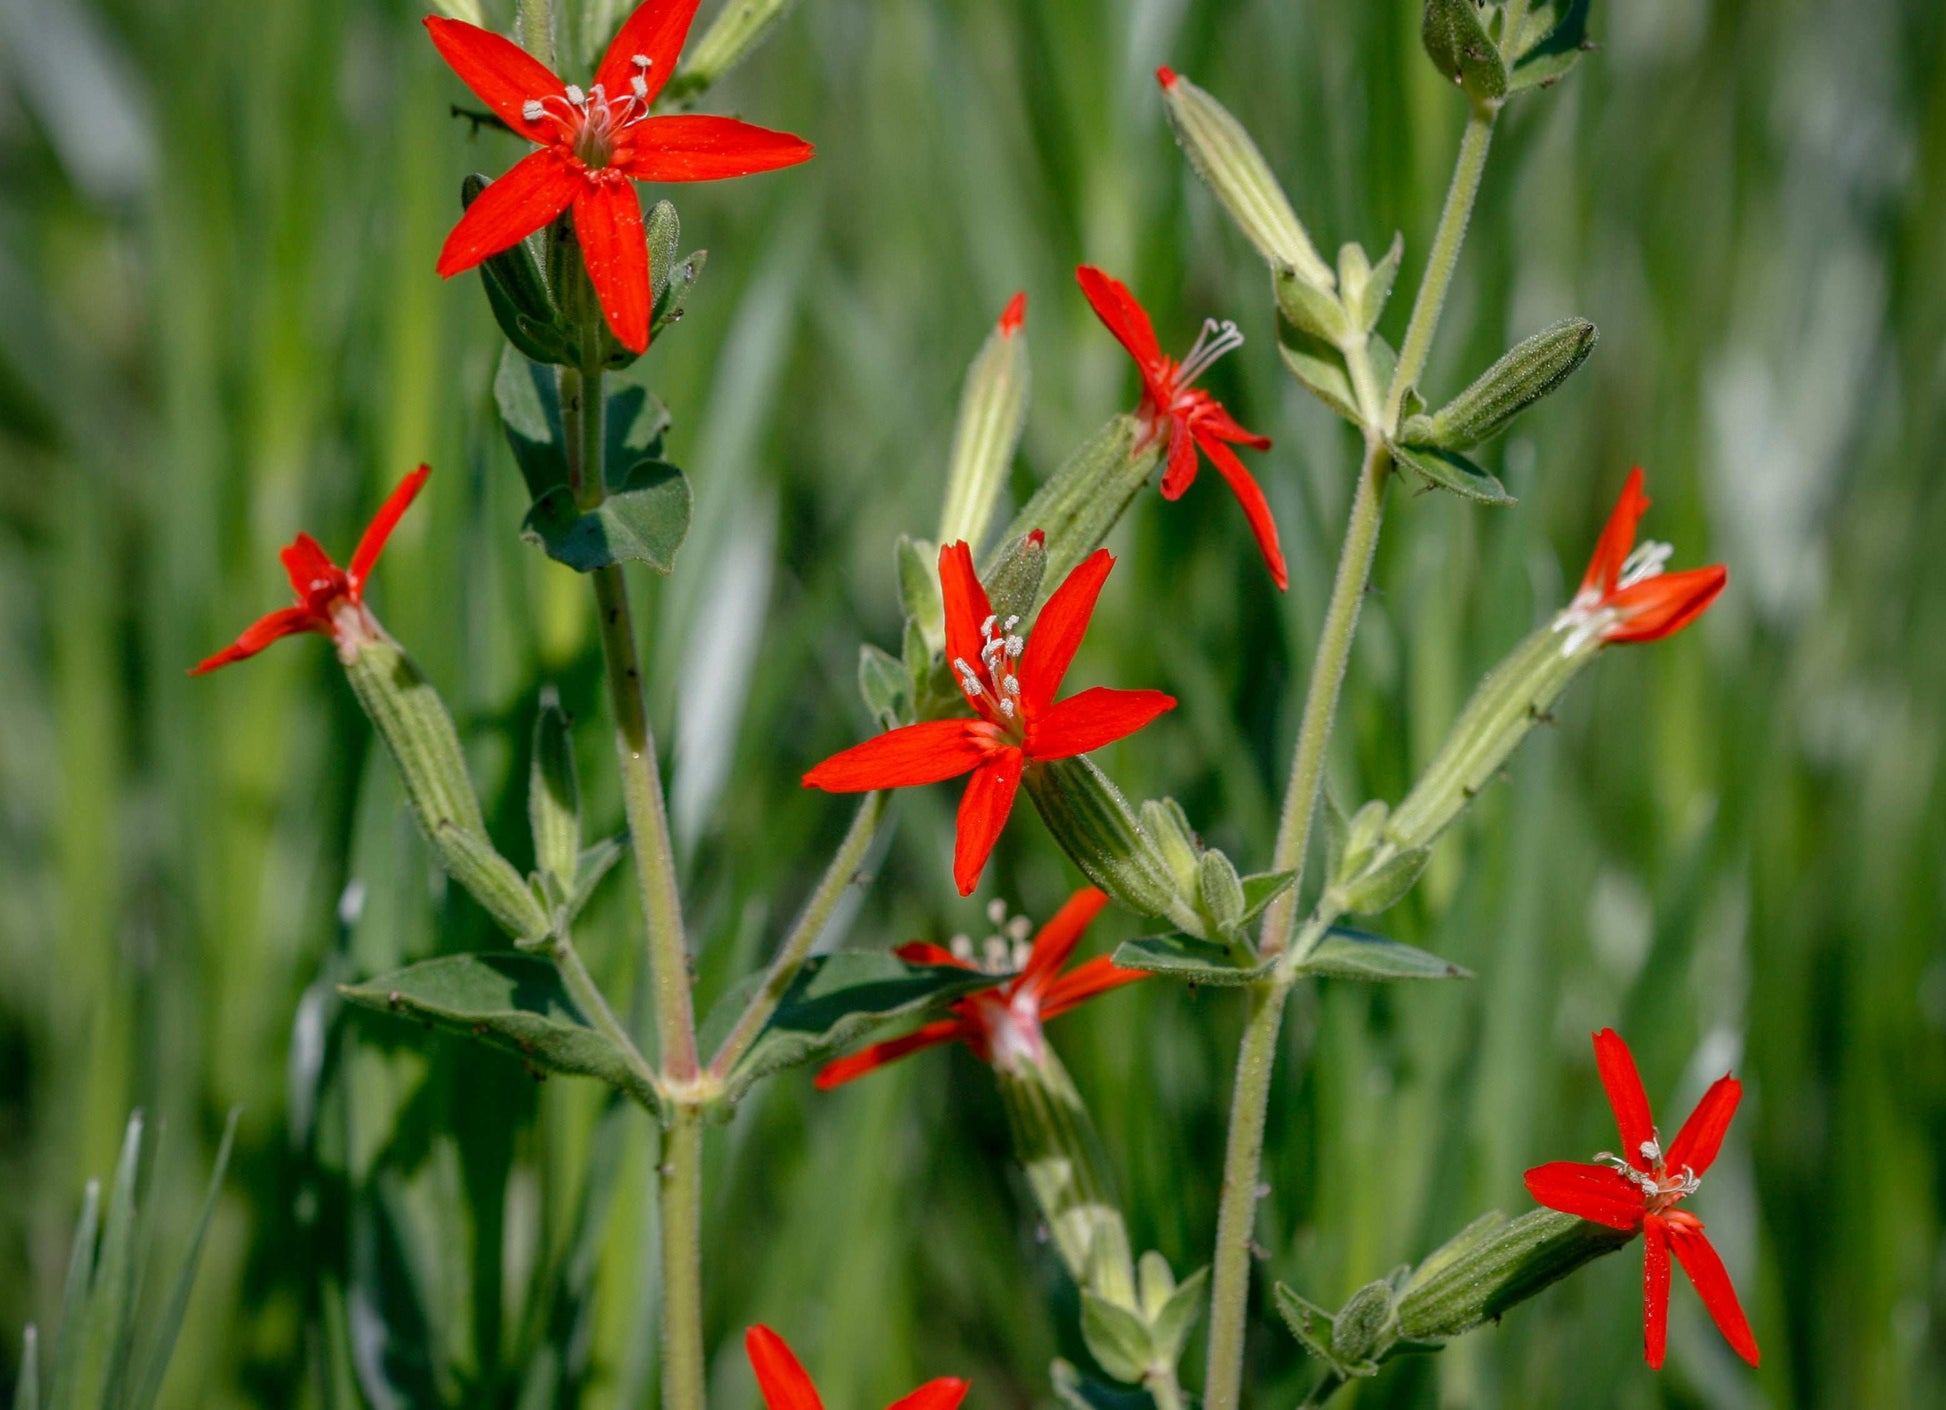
(786, 1385)
(592, 145)
(1003, 1024)
(330, 599)
(1188, 415)
(1012, 688)
(1639, 1189)
(1625, 596)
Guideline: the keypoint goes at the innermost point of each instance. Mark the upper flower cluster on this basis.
(593, 142)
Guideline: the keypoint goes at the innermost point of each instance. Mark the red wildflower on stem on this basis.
(1190, 417)
(1011, 683)
(593, 144)
(786, 1385)
(1640, 1188)
(1003, 1025)
(1625, 596)
(330, 599)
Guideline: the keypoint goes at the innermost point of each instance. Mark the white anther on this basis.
(1011, 685)
(533, 109)
(1644, 563)
(1006, 707)
(1019, 928)
(998, 959)
(962, 948)
(1016, 645)
(1023, 952)
(986, 627)
(1651, 1151)
(1011, 622)
(640, 85)
(576, 96)
(641, 61)
(996, 912)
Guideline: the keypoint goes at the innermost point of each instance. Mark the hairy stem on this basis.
(1164, 1389)
(810, 923)
(581, 985)
(1249, 1103)
(682, 1261)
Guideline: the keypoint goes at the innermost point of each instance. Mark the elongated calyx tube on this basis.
(1086, 497)
(1093, 823)
(418, 733)
(992, 410)
(1237, 174)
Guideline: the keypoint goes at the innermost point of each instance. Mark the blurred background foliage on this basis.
(217, 230)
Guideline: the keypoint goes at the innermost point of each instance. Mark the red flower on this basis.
(1640, 1188)
(786, 1385)
(1003, 1025)
(1625, 595)
(1012, 688)
(592, 145)
(330, 599)
(1191, 417)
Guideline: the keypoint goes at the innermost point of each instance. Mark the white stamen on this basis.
(1010, 623)
(962, 948)
(1011, 685)
(1006, 707)
(1644, 563)
(996, 912)
(1018, 929)
(1022, 952)
(576, 96)
(533, 109)
(1651, 1151)
(641, 61)
(1213, 342)
(640, 87)
(996, 956)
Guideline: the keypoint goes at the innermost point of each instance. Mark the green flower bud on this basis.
(740, 26)
(992, 410)
(1492, 1265)
(1235, 171)
(1526, 374)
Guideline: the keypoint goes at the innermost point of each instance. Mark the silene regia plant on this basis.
(996, 603)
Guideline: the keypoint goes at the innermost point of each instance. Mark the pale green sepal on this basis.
(1168, 827)
(1192, 961)
(1353, 954)
(1219, 893)
(1117, 1338)
(1013, 584)
(1314, 310)
(516, 1003)
(1532, 369)
(884, 684)
(1175, 1318)
(919, 591)
(554, 796)
(492, 881)
(1224, 155)
(1492, 1265)
(1263, 888)
(1450, 470)
(992, 411)
(1356, 1329)
(591, 866)
(1313, 1328)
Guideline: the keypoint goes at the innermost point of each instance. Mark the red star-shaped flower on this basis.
(593, 144)
(1003, 1025)
(786, 1385)
(1190, 417)
(330, 599)
(1010, 681)
(1625, 596)
(1640, 1188)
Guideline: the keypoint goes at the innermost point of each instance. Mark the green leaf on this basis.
(554, 797)
(1553, 41)
(1171, 1325)
(1263, 888)
(919, 589)
(74, 1299)
(834, 1001)
(1320, 367)
(513, 1002)
(1452, 471)
(1188, 959)
(1352, 954)
(1309, 1323)
(107, 1328)
(162, 1343)
(1313, 309)
(1117, 1338)
(1456, 40)
(882, 680)
(645, 520)
(1078, 1392)
(1374, 888)
(592, 865)
(633, 424)
(528, 396)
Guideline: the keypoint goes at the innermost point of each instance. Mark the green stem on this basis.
(1512, 20)
(1327, 680)
(1446, 242)
(1243, 1152)
(796, 948)
(1164, 1389)
(682, 1261)
(581, 985)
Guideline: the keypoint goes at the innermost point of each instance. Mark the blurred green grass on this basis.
(217, 226)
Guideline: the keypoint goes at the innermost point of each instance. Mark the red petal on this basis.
(1256, 508)
(1115, 306)
(966, 604)
(656, 30)
(1083, 982)
(307, 565)
(1057, 939)
(1598, 1193)
(900, 758)
(1712, 1281)
(288, 621)
(925, 952)
(501, 74)
(1180, 473)
(1701, 1136)
(535, 189)
(372, 543)
(697, 147)
(785, 1384)
(1625, 1095)
(943, 1394)
(1212, 419)
(1058, 630)
(1617, 539)
(846, 1069)
(1665, 604)
(983, 812)
(1655, 1291)
(1096, 717)
(608, 220)
(1013, 315)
